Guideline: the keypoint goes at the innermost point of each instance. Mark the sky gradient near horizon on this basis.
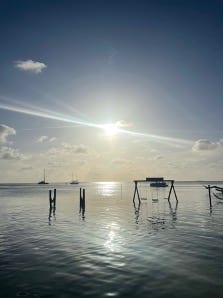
(111, 90)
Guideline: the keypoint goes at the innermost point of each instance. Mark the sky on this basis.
(111, 90)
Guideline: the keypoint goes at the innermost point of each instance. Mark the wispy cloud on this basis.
(79, 149)
(30, 65)
(123, 124)
(157, 157)
(5, 131)
(204, 144)
(10, 153)
(42, 139)
(26, 168)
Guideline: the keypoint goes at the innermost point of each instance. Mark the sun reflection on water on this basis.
(113, 234)
(107, 189)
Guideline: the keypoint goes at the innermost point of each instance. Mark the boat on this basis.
(74, 181)
(44, 179)
(158, 184)
(157, 181)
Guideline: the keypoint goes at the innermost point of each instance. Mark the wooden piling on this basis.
(54, 196)
(83, 200)
(80, 200)
(209, 193)
(50, 198)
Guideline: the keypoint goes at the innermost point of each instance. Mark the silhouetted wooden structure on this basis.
(157, 181)
(52, 202)
(215, 187)
(82, 202)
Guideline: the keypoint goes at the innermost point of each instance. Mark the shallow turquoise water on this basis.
(116, 249)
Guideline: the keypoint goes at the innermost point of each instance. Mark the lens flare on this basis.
(110, 129)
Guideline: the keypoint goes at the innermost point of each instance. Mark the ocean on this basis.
(113, 248)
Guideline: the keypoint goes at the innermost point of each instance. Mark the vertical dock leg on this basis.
(136, 191)
(170, 190)
(175, 193)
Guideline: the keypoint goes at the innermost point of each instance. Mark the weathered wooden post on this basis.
(50, 205)
(209, 193)
(83, 200)
(54, 200)
(80, 199)
(50, 200)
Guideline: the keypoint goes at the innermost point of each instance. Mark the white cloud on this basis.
(42, 139)
(30, 65)
(203, 144)
(5, 131)
(10, 153)
(52, 139)
(79, 149)
(123, 124)
(45, 139)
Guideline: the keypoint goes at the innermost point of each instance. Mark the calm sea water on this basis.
(114, 249)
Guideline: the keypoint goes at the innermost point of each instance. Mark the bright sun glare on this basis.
(111, 129)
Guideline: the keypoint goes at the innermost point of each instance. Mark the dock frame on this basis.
(136, 191)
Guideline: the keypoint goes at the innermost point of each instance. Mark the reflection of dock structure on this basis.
(159, 182)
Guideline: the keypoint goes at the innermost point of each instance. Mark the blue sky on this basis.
(152, 70)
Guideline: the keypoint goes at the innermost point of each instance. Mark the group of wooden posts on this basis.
(52, 202)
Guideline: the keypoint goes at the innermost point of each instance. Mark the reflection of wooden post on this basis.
(209, 193)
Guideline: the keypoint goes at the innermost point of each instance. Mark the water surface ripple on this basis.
(116, 248)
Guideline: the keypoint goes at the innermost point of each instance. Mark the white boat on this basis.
(44, 179)
(74, 181)
(158, 184)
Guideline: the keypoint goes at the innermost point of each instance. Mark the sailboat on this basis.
(74, 181)
(44, 179)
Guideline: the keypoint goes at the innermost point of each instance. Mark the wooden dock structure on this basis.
(154, 180)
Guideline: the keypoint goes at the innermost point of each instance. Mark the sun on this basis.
(111, 129)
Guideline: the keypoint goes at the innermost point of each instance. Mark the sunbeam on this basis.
(24, 108)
